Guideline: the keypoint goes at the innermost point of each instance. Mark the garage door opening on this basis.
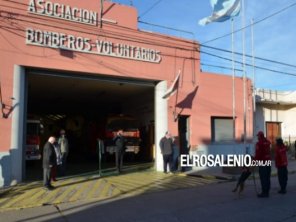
(88, 107)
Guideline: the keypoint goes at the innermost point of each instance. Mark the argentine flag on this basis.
(222, 11)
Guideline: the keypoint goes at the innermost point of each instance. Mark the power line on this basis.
(261, 20)
(116, 35)
(149, 9)
(166, 27)
(89, 28)
(249, 56)
(221, 67)
(140, 40)
(250, 65)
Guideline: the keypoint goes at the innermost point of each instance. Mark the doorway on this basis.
(184, 133)
(273, 131)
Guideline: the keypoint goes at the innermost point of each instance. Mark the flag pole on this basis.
(244, 71)
(233, 77)
(254, 86)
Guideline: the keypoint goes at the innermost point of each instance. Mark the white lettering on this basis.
(87, 44)
(63, 38)
(29, 35)
(211, 162)
(106, 48)
(68, 13)
(85, 16)
(49, 8)
(99, 46)
(47, 38)
(32, 7)
(71, 42)
(40, 4)
(81, 44)
(248, 160)
(60, 11)
(183, 160)
(55, 39)
(56, 7)
(195, 160)
(158, 57)
(74, 14)
(93, 17)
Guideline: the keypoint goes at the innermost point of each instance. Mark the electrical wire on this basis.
(249, 56)
(221, 67)
(116, 26)
(247, 26)
(167, 45)
(166, 27)
(250, 65)
(149, 9)
(114, 35)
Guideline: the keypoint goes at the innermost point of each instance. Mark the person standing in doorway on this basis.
(120, 149)
(55, 167)
(262, 153)
(281, 163)
(166, 146)
(64, 146)
(49, 161)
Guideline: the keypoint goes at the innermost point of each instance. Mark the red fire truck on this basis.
(33, 140)
(131, 133)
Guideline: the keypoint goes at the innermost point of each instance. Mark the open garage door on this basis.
(86, 106)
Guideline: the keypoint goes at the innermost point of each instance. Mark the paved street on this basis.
(214, 202)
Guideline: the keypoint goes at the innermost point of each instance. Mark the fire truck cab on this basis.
(131, 133)
(33, 151)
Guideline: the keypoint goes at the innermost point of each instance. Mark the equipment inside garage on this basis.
(88, 107)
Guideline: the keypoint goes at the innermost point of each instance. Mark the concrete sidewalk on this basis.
(92, 187)
(211, 203)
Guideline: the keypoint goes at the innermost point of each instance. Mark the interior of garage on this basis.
(82, 104)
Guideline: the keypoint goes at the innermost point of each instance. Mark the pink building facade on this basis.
(58, 52)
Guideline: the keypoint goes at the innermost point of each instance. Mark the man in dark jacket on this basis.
(120, 149)
(49, 160)
(263, 154)
(166, 146)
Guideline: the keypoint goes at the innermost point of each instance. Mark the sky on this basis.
(274, 37)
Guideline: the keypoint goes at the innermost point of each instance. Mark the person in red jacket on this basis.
(281, 163)
(262, 154)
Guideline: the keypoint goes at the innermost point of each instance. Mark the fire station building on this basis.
(73, 64)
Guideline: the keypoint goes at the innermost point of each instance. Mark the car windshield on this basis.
(125, 124)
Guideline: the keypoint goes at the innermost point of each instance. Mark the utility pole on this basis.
(244, 73)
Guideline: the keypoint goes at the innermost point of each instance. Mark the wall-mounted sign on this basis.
(60, 11)
(100, 47)
(81, 44)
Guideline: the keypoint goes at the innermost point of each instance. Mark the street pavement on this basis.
(212, 202)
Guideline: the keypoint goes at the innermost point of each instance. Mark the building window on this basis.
(222, 129)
